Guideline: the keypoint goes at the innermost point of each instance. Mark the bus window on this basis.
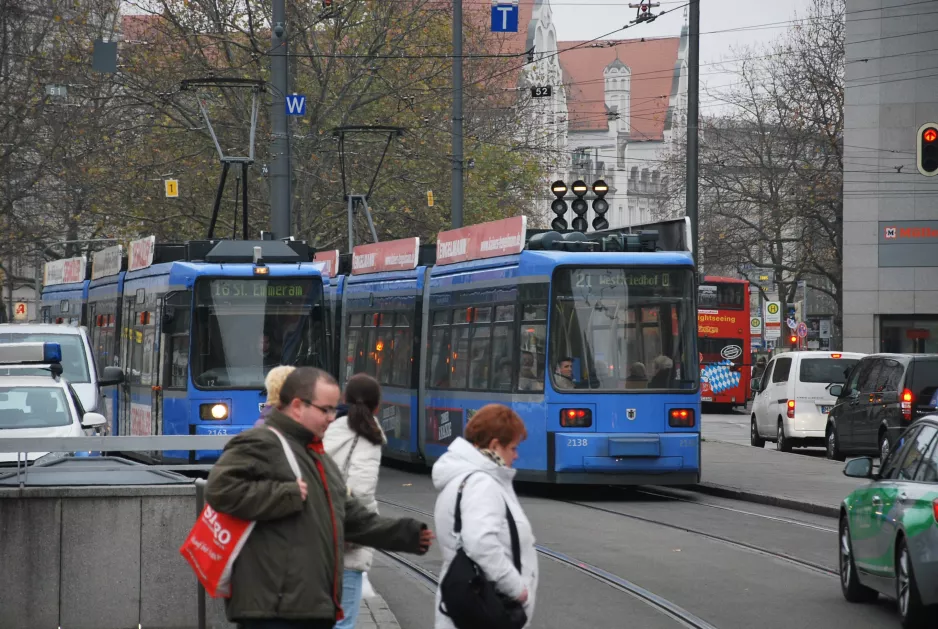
(624, 328)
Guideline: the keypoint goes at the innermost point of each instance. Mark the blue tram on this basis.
(590, 338)
(195, 328)
(65, 291)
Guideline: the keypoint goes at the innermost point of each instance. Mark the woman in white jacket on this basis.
(490, 447)
(354, 442)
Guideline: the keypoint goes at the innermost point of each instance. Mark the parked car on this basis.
(889, 528)
(793, 397)
(882, 396)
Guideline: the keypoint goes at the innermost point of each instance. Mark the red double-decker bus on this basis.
(724, 341)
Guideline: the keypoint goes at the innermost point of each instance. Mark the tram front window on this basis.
(613, 329)
(245, 327)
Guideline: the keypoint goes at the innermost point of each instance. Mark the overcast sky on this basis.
(740, 22)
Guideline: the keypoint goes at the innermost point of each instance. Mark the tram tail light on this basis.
(681, 418)
(217, 411)
(907, 398)
(576, 418)
(791, 409)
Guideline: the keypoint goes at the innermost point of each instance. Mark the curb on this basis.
(765, 499)
(375, 614)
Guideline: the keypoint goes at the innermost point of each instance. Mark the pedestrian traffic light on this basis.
(579, 205)
(600, 205)
(927, 149)
(559, 206)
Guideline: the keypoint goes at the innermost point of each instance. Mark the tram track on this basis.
(660, 604)
(803, 563)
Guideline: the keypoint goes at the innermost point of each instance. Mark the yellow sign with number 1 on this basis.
(172, 187)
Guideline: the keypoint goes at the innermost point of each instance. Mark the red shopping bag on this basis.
(212, 547)
(217, 538)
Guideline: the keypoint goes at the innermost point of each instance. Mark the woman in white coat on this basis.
(490, 447)
(354, 442)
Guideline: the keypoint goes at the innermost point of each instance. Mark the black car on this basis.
(882, 395)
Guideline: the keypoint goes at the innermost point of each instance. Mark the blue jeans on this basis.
(351, 598)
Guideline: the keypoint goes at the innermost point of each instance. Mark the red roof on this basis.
(652, 63)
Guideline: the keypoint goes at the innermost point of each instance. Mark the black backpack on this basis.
(468, 598)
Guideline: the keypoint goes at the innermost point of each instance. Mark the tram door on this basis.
(140, 416)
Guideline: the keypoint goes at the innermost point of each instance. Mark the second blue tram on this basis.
(590, 338)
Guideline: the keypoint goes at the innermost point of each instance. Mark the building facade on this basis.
(890, 226)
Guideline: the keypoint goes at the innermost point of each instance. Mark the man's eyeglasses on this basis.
(328, 410)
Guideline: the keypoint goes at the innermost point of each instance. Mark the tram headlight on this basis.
(216, 412)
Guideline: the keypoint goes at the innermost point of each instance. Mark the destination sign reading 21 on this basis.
(590, 278)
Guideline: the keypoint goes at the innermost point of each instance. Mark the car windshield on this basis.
(74, 358)
(826, 370)
(244, 327)
(33, 407)
(623, 328)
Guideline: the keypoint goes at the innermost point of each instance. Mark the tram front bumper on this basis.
(647, 453)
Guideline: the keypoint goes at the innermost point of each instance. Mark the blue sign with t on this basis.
(504, 18)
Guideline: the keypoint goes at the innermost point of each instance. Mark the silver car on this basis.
(889, 528)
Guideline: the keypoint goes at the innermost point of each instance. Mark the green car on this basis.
(889, 528)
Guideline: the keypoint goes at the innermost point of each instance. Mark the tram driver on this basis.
(563, 373)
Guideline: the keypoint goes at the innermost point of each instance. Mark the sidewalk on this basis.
(375, 614)
(791, 480)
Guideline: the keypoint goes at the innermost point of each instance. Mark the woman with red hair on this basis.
(480, 465)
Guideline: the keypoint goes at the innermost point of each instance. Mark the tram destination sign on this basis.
(477, 242)
(238, 289)
(638, 281)
(393, 255)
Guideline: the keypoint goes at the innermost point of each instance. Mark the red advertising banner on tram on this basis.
(476, 242)
(723, 339)
(330, 259)
(393, 255)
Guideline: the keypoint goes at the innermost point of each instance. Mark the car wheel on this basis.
(884, 448)
(833, 450)
(754, 438)
(850, 585)
(781, 442)
(911, 611)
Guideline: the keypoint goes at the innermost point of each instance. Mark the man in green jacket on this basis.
(289, 573)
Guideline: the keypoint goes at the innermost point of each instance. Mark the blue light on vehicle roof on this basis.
(51, 352)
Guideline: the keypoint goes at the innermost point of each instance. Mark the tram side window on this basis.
(144, 335)
(104, 334)
(460, 348)
(438, 375)
(383, 350)
(176, 320)
(533, 344)
(480, 348)
(503, 347)
(403, 350)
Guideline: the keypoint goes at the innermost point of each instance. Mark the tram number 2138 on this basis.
(577, 443)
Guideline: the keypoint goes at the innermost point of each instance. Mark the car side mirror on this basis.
(93, 420)
(837, 390)
(755, 384)
(861, 467)
(111, 375)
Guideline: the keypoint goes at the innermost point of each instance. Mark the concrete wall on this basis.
(890, 92)
(99, 558)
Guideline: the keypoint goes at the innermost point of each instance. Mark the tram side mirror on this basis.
(859, 468)
(111, 375)
(837, 390)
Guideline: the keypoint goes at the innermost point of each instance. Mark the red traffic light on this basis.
(927, 149)
(930, 135)
(793, 339)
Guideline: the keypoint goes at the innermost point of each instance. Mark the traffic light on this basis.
(793, 340)
(579, 205)
(600, 205)
(927, 149)
(559, 206)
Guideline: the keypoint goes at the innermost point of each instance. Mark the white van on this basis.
(792, 398)
(78, 366)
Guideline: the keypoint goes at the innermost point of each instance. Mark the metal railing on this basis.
(26, 446)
